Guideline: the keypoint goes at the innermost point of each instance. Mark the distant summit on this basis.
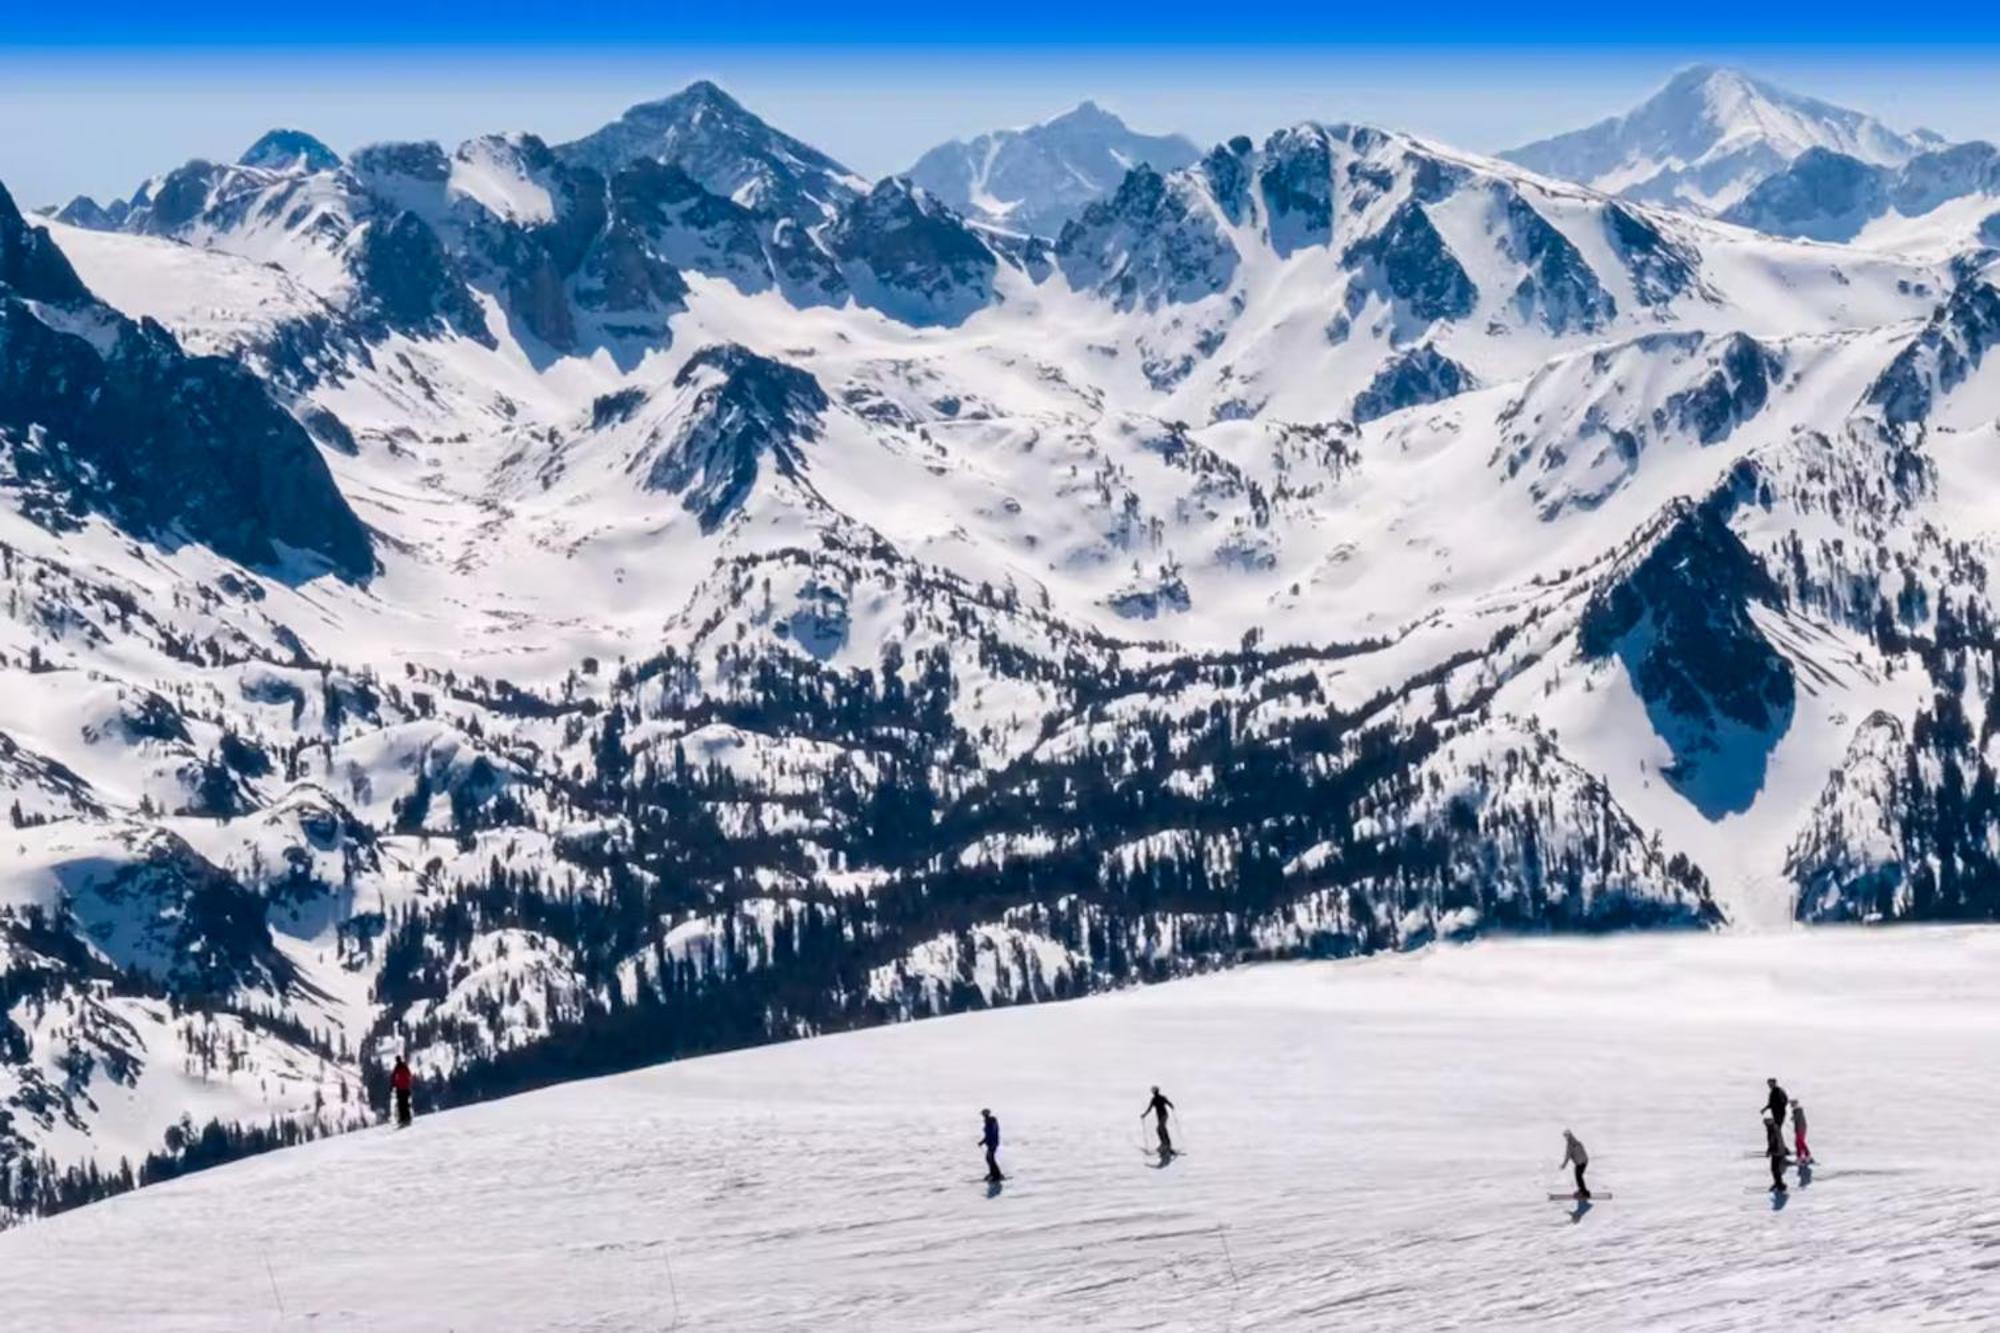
(1709, 137)
(1038, 178)
(289, 150)
(724, 147)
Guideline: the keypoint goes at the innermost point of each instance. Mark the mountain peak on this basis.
(1723, 94)
(724, 146)
(1708, 137)
(1085, 115)
(1036, 179)
(1701, 75)
(700, 93)
(289, 150)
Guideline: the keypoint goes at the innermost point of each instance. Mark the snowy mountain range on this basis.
(1039, 178)
(551, 608)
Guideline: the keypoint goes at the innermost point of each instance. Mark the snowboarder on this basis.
(1158, 1108)
(1774, 1148)
(1804, 1153)
(1775, 1104)
(1575, 1155)
(989, 1135)
(400, 1080)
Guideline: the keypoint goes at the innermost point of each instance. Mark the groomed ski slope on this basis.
(1371, 1146)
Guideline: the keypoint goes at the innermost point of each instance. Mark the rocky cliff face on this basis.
(101, 414)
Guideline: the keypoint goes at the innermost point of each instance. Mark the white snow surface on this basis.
(1369, 1145)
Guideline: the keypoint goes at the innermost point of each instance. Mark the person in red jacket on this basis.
(400, 1080)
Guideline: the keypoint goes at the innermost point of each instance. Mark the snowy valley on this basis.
(553, 608)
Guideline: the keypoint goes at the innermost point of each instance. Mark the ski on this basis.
(1571, 1198)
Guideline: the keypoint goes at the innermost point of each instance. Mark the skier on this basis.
(990, 1137)
(1158, 1108)
(1775, 1104)
(1774, 1148)
(400, 1080)
(1799, 1132)
(1574, 1155)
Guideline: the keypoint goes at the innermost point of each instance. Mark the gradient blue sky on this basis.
(95, 98)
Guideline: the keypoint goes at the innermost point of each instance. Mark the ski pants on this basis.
(1777, 1171)
(1582, 1190)
(1804, 1154)
(402, 1106)
(1166, 1141)
(992, 1162)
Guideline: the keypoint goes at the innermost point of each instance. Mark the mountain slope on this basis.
(1708, 137)
(1037, 178)
(843, 1173)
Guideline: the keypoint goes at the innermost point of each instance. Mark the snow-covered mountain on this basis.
(1038, 178)
(1940, 202)
(726, 149)
(1709, 137)
(588, 607)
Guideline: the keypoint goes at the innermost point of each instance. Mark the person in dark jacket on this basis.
(1158, 1108)
(1774, 1148)
(989, 1135)
(1776, 1103)
(400, 1079)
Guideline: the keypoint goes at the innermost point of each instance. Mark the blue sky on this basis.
(95, 98)
(1194, 23)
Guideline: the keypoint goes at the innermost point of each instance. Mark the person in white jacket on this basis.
(1574, 1154)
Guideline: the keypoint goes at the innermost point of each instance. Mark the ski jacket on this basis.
(1575, 1153)
(1776, 1105)
(400, 1080)
(1798, 1117)
(991, 1136)
(1158, 1106)
(1773, 1144)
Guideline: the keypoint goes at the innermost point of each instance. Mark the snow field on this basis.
(1369, 1144)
